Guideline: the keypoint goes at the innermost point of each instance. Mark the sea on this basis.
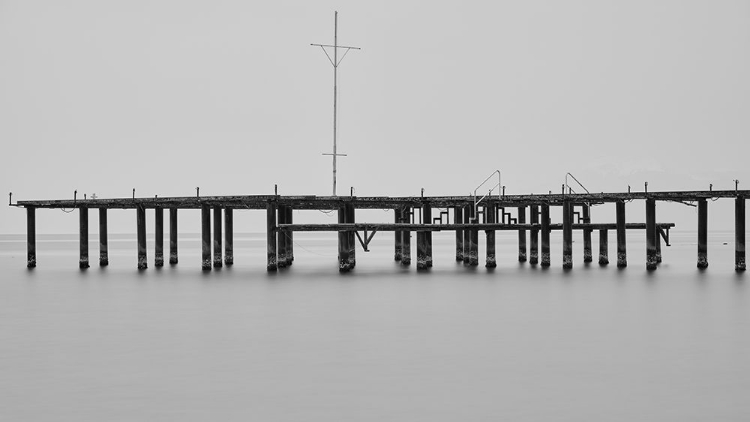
(381, 343)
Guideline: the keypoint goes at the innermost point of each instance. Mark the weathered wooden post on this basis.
(103, 244)
(421, 250)
(567, 234)
(140, 219)
(228, 236)
(427, 210)
(217, 237)
(522, 235)
(587, 254)
(271, 264)
(289, 236)
(158, 237)
(534, 241)
(545, 235)
(658, 244)
(489, 218)
(173, 236)
(83, 262)
(468, 213)
(281, 238)
(458, 219)
(739, 233)
(343, 242)
(351, 240)
(651, 233)
(622, 254)
(474, 243)
(702, 233)
(30, 237)
(398, 236)
(206, 237)
(406, 245)
(603, 247)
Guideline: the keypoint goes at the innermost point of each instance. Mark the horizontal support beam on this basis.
(259, 202)
(451, 227)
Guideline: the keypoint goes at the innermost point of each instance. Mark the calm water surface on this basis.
(383, 343)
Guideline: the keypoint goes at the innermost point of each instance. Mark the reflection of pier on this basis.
(465, 215)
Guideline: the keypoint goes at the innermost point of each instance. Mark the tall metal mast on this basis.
(335, 62)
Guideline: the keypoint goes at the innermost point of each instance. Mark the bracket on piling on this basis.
(664, 235)
(366, 241)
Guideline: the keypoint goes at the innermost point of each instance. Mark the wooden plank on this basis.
(451, 227)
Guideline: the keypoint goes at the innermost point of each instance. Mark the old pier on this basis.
(465, 215)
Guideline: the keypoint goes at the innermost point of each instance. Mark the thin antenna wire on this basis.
(335, 62)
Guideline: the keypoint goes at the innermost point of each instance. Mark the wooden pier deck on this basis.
(466, 215)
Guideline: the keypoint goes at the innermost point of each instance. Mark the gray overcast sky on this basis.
(164, 96)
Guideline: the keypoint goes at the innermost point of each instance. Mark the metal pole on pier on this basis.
(335, 61)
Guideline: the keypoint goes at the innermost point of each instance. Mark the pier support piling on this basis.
(205, 237)
(406, 238)
(283, 260)
(522, 235)
(140, 219)
(490, 211)
(622, 254)
(271, 264)
(603, 247)
(103, 243)
(290, 236)
(427, 209)
(587, 253)
(702, 233)
(651, 234)
(228, 236)
(534, 235)
(421, 250)
(398, 236)
(83, 261)
(458, 219)
(173, 236)
(658, 245)
(424, 244)
(30, 237)
(474, 240)
(545, 235)
(158, 237)
(468, 212)
(351, 240)
(217, 238)
(344, 265)
(567, 235)
(739, 233)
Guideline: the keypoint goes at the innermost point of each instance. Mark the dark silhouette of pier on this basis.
(528, 215)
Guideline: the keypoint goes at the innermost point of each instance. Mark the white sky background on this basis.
(163, 96)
